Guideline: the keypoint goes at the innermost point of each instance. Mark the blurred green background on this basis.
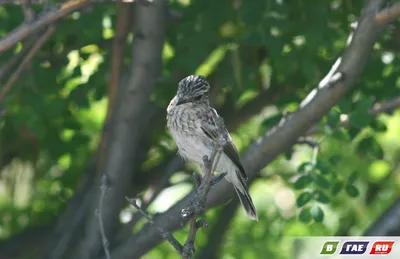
(262, 58)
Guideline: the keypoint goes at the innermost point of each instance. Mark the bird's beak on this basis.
(181, 101)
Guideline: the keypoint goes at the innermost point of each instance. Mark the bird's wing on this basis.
(210, 129)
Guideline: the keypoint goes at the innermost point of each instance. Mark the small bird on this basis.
(192, 123)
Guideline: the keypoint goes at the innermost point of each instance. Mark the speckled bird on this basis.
(192, 123)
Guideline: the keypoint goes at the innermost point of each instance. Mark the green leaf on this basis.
(305, 215)
(360, 117)
(303, 199)
(341, 134)
(378, 125)
(370, 146)
(272, 121)
(345, 105)
(337, 187)
(321, 197)
(333, 118)
(317, 213)
(302, 182)
(306, 167)
(321, 181)
(323, 166)
(352, 191)
(335, 159)
(352, 178)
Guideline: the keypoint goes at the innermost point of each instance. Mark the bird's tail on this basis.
(245, 199)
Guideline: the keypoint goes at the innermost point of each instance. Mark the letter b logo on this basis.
(329, 248)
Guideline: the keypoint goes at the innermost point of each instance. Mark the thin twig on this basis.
(388, 14)
(165, 234)
(14, 77)
(103, 188)
(149, 196)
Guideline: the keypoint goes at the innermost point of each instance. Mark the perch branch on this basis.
(197, 204)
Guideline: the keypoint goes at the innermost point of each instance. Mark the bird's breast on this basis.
(185, 128)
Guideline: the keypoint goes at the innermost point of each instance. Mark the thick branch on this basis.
(283, 136)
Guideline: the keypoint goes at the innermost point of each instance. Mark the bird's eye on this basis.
(198, 98)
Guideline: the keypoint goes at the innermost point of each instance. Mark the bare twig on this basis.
(26, 60)
(388, 14)
(164, 233)
(103, 188)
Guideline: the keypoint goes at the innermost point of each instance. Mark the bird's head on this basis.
(193, 89)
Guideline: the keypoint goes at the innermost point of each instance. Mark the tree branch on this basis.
(27, 29)
(286, 133)
(197, 204)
